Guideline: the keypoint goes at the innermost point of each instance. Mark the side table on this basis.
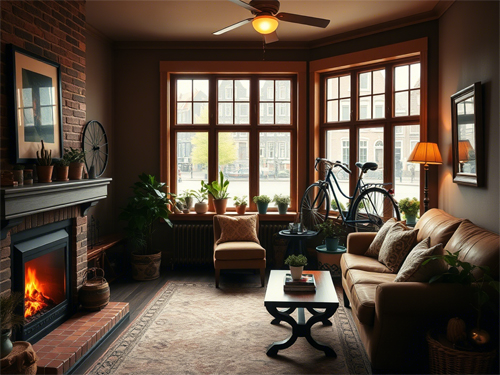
(330, 260)
(296, 245)
(21, 360)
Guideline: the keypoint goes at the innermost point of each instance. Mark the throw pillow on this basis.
(241, 228)
(376, 244)
(412, 268)
(397, 244)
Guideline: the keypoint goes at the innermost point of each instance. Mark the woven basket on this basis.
(22, 360)
(446, 360)
(94, 293)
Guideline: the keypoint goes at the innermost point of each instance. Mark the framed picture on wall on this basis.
(36, 105)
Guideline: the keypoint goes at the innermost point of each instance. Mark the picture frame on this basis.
(467, 136)
(36, 105)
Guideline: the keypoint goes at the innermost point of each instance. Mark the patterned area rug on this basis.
(198, 329)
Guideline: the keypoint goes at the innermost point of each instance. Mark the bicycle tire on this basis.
(373, 207)
(314, 206)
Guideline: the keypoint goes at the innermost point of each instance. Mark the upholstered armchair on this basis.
(237, 246)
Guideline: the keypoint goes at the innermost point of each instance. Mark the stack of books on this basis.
(304, 284)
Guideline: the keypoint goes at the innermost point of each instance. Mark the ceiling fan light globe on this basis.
(265, 24)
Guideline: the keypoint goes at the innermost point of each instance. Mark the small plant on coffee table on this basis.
(296, 260)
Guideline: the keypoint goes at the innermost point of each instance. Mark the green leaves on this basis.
(217, 189)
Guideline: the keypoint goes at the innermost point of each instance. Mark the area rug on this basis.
(198, 329)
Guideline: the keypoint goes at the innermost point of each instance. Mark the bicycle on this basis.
(370, 206)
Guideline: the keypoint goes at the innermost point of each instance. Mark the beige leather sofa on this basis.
(392, 318)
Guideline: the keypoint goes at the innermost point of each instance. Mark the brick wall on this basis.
(56, 31)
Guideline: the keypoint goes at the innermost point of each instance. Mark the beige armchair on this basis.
(238, 247)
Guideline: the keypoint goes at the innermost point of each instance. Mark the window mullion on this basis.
(212, 133)
(254, 143)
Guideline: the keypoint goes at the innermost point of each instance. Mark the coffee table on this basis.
(325, 297)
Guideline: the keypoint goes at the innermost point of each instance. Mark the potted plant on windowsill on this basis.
(145, 208)
(44, 168)
(241, 204)
(218, 191)
(296, 264)
(201, 196)
(282, 201)
(332, 230)
(76, 160)
(410, 208)
(9, 320)
(262, 202)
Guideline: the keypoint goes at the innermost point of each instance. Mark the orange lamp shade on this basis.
(265, 24)
(425, 153)
(464, 149)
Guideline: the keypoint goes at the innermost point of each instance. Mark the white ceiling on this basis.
(196, 20)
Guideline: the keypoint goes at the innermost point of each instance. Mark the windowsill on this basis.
(270, 216)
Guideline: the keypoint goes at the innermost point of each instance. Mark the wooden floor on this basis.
(139, 293)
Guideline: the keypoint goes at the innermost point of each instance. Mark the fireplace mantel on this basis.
(20, 201)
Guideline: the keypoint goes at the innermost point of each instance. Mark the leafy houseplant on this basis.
(144, 209)
(44, 167)
(201, 196)
(332, 230)
(188, 195)
(410, 208)
(9, 320)
(282, 201)
(262, 202)
(241, 204)
(76, 159)
(62, 168)
(218, 191)
(296, 264)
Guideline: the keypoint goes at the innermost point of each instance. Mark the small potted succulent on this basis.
(410, 208)
(76, 160)
(332, 230)
(18, 171)
(218, 191)
(282, 201)
(262, 202)
(9, 320)
(241, 204)
(296, 264)
(201, 196)
(44, 168)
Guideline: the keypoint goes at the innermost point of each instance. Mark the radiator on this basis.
(193, 243)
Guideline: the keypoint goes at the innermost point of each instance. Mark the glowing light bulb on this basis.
(265, 24)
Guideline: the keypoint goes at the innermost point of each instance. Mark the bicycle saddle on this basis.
(369, 165)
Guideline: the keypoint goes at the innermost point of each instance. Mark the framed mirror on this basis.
(467, 132)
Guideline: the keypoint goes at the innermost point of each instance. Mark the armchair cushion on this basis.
(240, 228)
(412, 268)
(396, 246)
(239, 250)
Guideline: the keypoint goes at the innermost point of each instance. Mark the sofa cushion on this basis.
(363, 302)
(397, 244)
(374, 248)
(239, 250)
(240, 228)
(355, 277)
(361, 262)
(477, 246)
(438, 225)
(412, 268)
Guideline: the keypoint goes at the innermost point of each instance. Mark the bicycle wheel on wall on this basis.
(373, 207)
(95, 145)
(314, 206)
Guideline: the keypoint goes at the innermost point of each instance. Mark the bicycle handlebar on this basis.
(332, 164)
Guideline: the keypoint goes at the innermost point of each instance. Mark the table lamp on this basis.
(464, 153)
(426, 153)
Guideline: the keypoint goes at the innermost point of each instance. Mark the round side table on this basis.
(330, 260)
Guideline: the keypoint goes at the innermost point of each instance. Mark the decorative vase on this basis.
(44, 173)
(332, 244)
(220, 206)
(241, 209)
(201, 207)
(262, 207)
(296, 272)
(145, 267)
(411, 219)
(62, 173)
(19, 176)
(6, 344)
(282, 208)
(75, 171)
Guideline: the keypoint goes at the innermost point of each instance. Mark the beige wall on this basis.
(100, 107)
(468, 53)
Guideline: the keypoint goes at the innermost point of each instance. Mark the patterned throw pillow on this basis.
(397, 244)
(412, 268)
(241, 228)
(376, 244)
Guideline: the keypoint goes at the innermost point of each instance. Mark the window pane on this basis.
(332, 88)
(345, 86)
(266, 113)
(365, 105)
(401, 78)
(414, 102)
(192, 160)
(274, 166)
(242, 115)
(184, 90)
(415, 76)
(332, 113)
(378, 106)
(242, 88)
(283, 113)
(379, 81)
(225, 88)
(406, 175)
(401, 104)
(365, 85)
(200, 113)
(184, 113)
(200, 90)
(345, 110)
(337, 148)
(266, 90)
(283, 91)
(233, 157)
(371, 148)
(225, 113)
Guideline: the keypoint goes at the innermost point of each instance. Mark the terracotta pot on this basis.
(201, 207)
(146, 267)
(62, 173)
(75, 171)
(220, 206)
(241, 209)
(44, 173)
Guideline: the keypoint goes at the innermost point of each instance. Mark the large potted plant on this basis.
(9, 320)
(410, 208)
(145, 208)
(76, 160)
(218, 191)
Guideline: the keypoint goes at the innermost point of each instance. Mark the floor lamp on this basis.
(426, 153)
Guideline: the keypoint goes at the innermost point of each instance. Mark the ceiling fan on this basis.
(266, 16)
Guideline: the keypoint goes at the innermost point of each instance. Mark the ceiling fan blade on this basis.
(305, 20)
(232, 27)
(270, 38)
(245, 5)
